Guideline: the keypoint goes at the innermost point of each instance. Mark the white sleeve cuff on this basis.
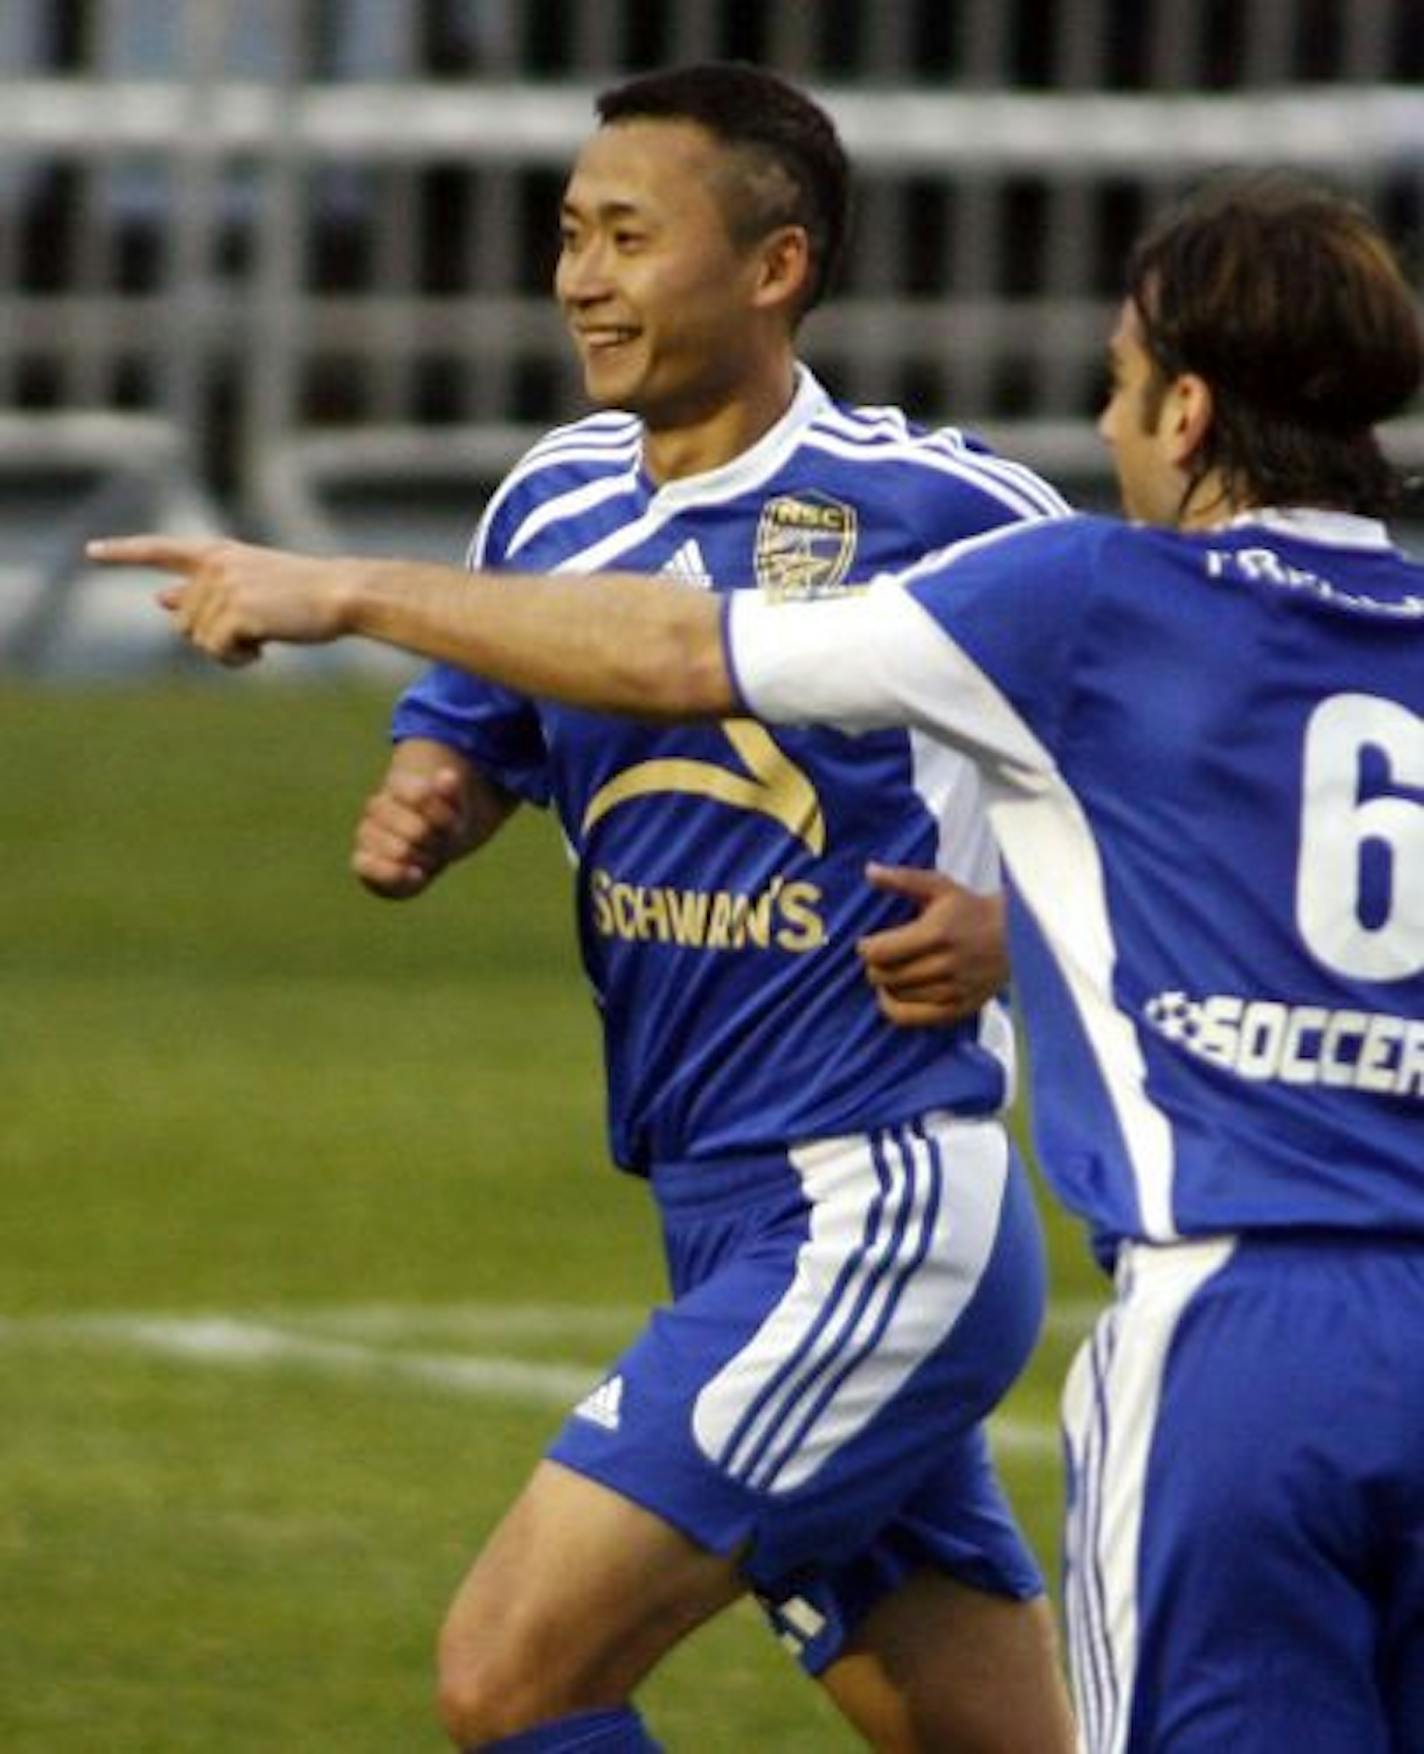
(811, 663)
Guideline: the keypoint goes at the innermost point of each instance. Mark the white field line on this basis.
(233, 1341)
(229, 1341)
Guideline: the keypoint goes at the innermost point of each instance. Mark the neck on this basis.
(719, 434)
(1206, 504)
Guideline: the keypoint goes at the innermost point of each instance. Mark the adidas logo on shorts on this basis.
(602, 1406)
(795, 1621)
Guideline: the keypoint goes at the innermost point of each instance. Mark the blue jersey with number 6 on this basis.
(1205, 761)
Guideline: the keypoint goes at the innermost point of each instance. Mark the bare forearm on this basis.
(617, 641)
(621, 644)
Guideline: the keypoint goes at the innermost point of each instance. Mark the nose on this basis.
(581, 276)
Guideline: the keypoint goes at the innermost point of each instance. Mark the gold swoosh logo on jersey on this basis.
(772, 785)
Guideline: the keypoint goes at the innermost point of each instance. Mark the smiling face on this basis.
(670, 316)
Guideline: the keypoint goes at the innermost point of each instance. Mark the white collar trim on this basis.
(1314, 524)
(755, 463)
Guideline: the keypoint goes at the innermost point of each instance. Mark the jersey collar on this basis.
(758, 461)
(1332, 529)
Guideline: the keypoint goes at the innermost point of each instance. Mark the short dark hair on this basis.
(793, 169)
(1286, 299)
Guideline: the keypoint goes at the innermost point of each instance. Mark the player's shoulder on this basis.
(605, 432)
(954, 470)
(1036, 551)
(599, 444)
(560, 470)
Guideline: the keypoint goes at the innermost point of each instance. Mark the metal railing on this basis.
(309, 240)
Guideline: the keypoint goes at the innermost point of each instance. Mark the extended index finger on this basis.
(182, 554)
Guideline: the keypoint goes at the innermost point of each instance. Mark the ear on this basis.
(784, 268)
(1186, 417)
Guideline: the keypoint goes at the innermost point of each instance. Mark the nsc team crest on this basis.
(804, 545)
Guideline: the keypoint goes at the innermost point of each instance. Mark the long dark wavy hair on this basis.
(1286, 299)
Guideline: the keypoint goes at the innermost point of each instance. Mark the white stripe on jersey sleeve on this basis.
(1012, 485)
(613, 439)
(607, 431)
(992, 463)
(881, 659)
(885, 432)
(568, 505)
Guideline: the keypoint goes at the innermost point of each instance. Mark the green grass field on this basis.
(307, 1239)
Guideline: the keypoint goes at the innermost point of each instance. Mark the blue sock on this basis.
(617, 1730)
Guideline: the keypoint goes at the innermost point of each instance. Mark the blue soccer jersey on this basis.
(720, 869)
(1204, 757)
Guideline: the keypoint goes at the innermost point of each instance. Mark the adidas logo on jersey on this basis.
(603, 1405)
(687, 564)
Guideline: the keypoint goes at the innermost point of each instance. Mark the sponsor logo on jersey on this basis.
(804, 545)
(1267, 1041)
(785, 915)
(772, 784)
(604, 1405)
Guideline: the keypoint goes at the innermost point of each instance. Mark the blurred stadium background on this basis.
(284, 263)
(304, 1241)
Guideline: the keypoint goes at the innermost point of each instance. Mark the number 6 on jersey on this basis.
(1339, 828)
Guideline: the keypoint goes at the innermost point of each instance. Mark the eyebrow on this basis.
(610, 209)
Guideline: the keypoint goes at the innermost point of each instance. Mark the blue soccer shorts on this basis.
(845, 1315)
(1245, 1538)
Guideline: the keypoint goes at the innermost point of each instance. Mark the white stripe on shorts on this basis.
(1110, 1406)
(902, 1226)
